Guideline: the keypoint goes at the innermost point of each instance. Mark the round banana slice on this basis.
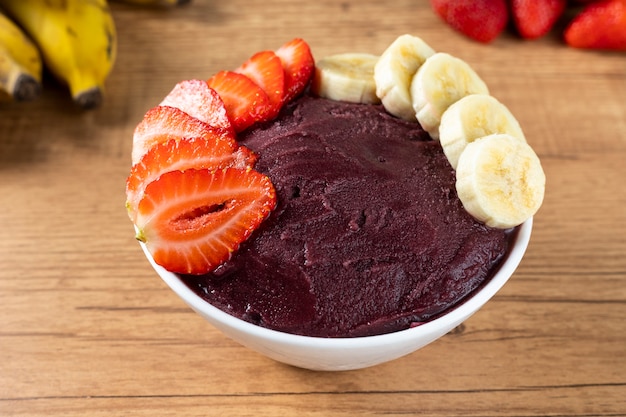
(395, 70)
(441, 81)
(346, 77)
(500, 181)
(473, 117)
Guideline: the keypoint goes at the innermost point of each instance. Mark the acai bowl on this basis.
(351, 216)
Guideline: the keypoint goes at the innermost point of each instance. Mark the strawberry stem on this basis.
(140, 236)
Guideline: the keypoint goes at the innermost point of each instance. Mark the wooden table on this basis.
(88, 329)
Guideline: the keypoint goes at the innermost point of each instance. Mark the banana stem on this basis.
(27, 88)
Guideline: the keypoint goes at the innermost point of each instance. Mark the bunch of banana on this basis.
(76, 38)
(20, 63)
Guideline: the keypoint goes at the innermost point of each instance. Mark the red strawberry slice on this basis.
(298, 64)
(192, 221)
(195, 98)
(266, 70)
(246, 103)
(535, 18)
(600, 25)
(163, 123)
(481, 20)
(214, 152)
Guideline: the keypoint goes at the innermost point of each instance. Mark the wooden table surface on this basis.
(88, 329)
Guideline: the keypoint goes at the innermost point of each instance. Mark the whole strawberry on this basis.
(600, 25)
(535, 18)
(481, 20)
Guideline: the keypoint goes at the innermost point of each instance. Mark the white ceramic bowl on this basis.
(335, 354)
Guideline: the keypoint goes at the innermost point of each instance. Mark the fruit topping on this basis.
(192, 221)
(473, 117)
(195, 98)
(266, 70)
(298, 64)
(346, 77)
(441, 81)
(163, 123)
(500, 180)
(246, 103)
(212, 152)
(395, 70)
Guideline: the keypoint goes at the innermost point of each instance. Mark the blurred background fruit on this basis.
(20, 63)
(596, 24)
(74, 40)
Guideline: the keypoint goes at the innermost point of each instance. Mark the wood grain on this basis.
(89, 329)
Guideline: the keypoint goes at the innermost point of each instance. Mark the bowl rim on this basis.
(448, 320)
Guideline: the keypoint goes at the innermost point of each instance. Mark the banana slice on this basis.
(500, 181)
(473, 117)
(395, 70)
(346, 77)
(441, 81)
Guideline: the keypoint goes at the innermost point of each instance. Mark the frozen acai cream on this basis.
(368, 235)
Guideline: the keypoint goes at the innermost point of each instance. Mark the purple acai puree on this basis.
(368, 236)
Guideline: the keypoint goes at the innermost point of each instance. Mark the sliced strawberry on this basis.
(163, 123)
(481, 20)
(266, 70)
(535, 18)
(600, 25)
(195, 98)
(298, 64)
(214, 152)
(246, 103)
(192, 221)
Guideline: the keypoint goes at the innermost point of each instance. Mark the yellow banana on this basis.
(500, 181)
(346, 77)
(20, 63)
(441, 81)
(77, 39)
(394, 71)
